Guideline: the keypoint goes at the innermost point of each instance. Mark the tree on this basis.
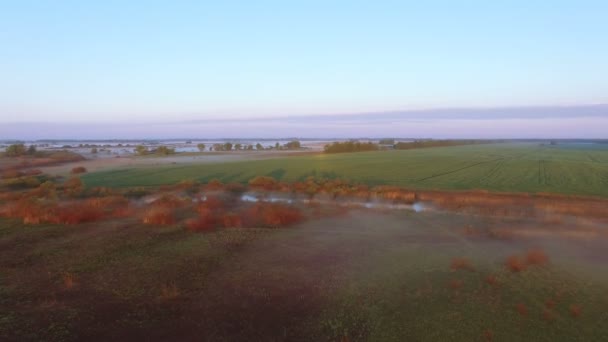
(15, 150)
(293, 145)
(228, 146)
(238, 146)
(259, 147)
(164, 150)
(31, 150)
(277, 146)
(141, 150)
(201, 147)
(94, 150)
(249, 147)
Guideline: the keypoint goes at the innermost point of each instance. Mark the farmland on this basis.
(527, 168)
(323, 247)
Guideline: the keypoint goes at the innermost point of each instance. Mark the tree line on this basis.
(350, 146)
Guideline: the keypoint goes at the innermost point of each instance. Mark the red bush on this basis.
(575, 310)
(200, 224)
(515, 264)
(263, 183)
(548, 315)
(159, 215)
(12, 173)
(461, 264)
(488, 335)
(232, 221)
(169, 201)
(536, 257)
(491, 280)
(214, 185)
(550, 303)
(75, 213)
(455, 284)
(522, 309)
(78, 169)
(272, 215)
(212, 203)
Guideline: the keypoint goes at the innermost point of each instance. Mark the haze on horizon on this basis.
(321, 69)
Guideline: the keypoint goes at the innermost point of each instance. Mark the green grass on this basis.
(370, 277)
(495, 167)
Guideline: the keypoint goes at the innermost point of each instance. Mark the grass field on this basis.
(365, 276)
(496, 167)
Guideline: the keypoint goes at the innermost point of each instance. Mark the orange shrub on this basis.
(461, 264)
(158, 215)
(488, 335)
(214, 185)
(33, 172)
(78, 169)
(548, 315)
(201, 224)
(169, 201)
(75, 213)
(550, 303)
(515, 264)
(212, 203)
(272, 215)
(263, 183)
(522, 309)
(491, 280)
(11, 173)
(536, 257)
(575, 310)
(232, 221)
(455, 284)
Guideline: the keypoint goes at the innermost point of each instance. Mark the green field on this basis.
(496, 167)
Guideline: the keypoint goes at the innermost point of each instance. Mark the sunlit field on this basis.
(528, 168)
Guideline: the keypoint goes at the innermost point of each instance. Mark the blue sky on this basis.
(149, 62)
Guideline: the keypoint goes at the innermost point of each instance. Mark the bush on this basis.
(272, 215)
(461, 264)
(159, 216)
(11, 173)
(78, 169)
(350, 146)
(263, 183)
(16, 150)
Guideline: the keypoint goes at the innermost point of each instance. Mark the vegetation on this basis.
(201, 147)
(437, 143)
(16, 150)
(496, 167)
(350, 146)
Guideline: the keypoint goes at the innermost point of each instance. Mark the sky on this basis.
(164, 69)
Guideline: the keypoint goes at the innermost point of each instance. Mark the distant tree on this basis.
(15, 150)
(164, 150)
(350, 146)
(387, 142)
(201, 147)
(238, 146)
(293, 145)
(277, 145)
(259, 147)
(218, 147)
(31, 150)
(94, 150)
(249, 147)
(228, 146)
(141, 150)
